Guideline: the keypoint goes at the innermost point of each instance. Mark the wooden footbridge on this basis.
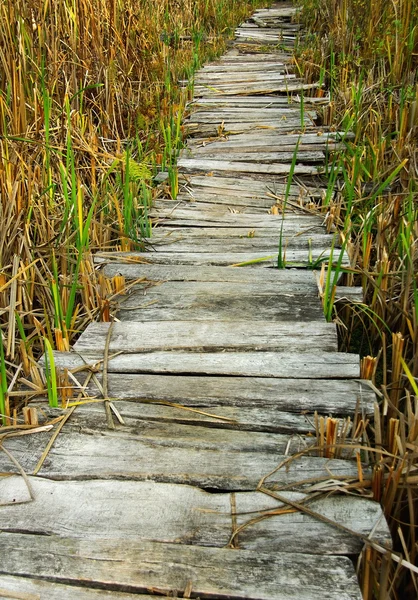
(193, 477)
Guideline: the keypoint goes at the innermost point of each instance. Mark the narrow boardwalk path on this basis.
(184, 485)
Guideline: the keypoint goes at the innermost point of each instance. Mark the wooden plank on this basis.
(258, 157)
(250, 404)
(222, 216)
(168, 567)
(242, 206)
(279, 288)
(246, 186)
(242, 66)
(238, 205)
(257, 204)
(210, 335)
(287, 365)
(256, 88)
(196, 165)
(240, 101)
(270, 418)
(239, 76)
(285, 278)
(290, 241)
(234, 56)
(30, 588)
(293, 257)
(186, 515)
(328, 396)
(233, 234)
(208, 308)
(234, 128)
(152, 451)
(249, 115)
(267, 137)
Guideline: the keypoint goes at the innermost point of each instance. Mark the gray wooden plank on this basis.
(208, 307)
(267, 87)
(30, 588)
(280, 126)
(213, 78)
(193, 165)
(256, 204)
(234, 234)
(168, 567)
(233, 56)
(242, 205)
(305, 365)
(186, 515)
(257, 157)
(170, 453)
(287, 279)
(327, 396)
(293, 257)
(223, 216)
(246, 66)
(245, 186)
(207, 335)
(243, 115)
(269, 418)
(268, 245)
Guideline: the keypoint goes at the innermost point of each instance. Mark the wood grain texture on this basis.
(286, 279)
(185, 515)
(204, 457)
(297, 396)
(214, 335)
(293, 257)
(140, 566)
(305, 365)
(195, 165)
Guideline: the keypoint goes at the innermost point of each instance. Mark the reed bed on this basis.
(90, 111)
(366, 53)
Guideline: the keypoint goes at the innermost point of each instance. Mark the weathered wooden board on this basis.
(227, 128)
(234, 205)
(225, 218)
(259, 140)
(177, 307)
(187, 515)
(149, 450)
(257, 204)
(214, 78)
(286, 87)
(297, 396)
(30, 588)
(231, 234)
(234, 128)
(285, 278)
(293, 257)
(231, 414)
(235, 57)
(229, 203)
(242, 66)
(290, 241)
(246, 186)
(138, 566)
(259, 157)
(210, 335)
(243, 115)
(305, 365)
(193, 165)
